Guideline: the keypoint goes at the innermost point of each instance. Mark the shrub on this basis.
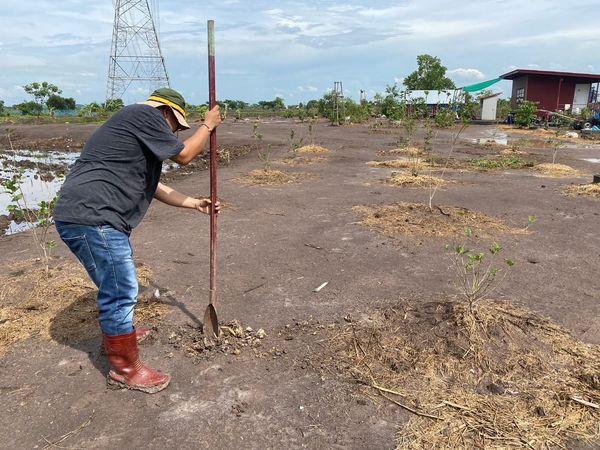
(525, 114)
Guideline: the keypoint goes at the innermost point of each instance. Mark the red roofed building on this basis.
(554, 91)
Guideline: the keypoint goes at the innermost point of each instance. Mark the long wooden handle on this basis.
(213, 164)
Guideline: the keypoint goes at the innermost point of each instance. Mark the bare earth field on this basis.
(277, 243)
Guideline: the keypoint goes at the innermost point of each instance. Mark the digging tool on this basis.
(211, 322)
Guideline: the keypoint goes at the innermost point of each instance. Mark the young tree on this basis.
(430, 75)
(114, 104)
(2, 108)
(41, 92)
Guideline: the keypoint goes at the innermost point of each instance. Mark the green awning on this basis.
(481, 86)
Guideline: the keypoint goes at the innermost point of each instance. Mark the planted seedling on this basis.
(478, 272)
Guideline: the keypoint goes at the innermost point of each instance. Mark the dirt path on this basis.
(277, 244)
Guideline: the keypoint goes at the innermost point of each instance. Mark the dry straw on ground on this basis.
(402, 163)
(271, 177)
(498, 377)
(409, 180)
(417, 218)
(60, 306)
(556, 170)
(410, 151)
(582, 190)
(301, 160)
(312, 149)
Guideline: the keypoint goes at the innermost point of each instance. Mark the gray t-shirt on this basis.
(115, 178)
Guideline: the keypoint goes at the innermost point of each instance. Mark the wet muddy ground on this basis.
(277, 244)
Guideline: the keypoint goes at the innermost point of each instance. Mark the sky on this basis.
(296, 50)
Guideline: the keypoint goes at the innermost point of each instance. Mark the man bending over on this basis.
(105, 195)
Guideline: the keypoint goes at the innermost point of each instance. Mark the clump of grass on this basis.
(583, 190)
(496, 377)
(505, 162)
(312, 149)
(409, 180)
(58, 303)
(419, 219)
(301, 160)
(401, 163)
(409, 151)
(271, 177)
(557, 170)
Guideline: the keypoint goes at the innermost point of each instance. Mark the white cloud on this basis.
(470, 74)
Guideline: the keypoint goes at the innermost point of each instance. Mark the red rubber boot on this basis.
(126, 369)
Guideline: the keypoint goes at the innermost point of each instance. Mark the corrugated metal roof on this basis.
(520, 72)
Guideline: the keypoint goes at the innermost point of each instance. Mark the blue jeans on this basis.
(107, 257)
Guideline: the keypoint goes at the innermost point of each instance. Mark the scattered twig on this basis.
(254, 288)
(314, 246)
(585, 402)
(408, 408)
(66, 436)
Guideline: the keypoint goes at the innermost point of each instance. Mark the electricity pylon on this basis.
(135, 55)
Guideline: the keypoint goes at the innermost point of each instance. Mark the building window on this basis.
(520, 95)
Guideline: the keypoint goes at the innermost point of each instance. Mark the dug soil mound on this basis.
(418, 219)
(233, 340)
(271, 177)
(409, 180)
(556, 170)
(495, 376)
(582, 190)
(59, 304)
(312, 149)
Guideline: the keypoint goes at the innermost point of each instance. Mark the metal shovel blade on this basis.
(211, 322)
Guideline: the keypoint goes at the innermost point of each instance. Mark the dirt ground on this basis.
(276, 245)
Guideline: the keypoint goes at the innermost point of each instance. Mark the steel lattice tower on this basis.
(135, 53)
(339, 109)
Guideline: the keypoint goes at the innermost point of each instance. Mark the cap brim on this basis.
(183, 125)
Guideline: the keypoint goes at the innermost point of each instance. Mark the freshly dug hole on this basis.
(270, 177)
(407, 179)
(417, 218)
(582, 190)
(60, 305)
(498, 377)
(556, 170)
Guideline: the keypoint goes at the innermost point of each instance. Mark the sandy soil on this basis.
(276, 245)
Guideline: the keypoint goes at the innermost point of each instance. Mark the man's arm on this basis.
(171, 197)
(195, 144)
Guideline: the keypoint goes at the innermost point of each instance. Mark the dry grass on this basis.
(60, 306)
(556, 170)
(417, 218)
(495, 378)
(271, 177)
(312, 149)
(409, 180)
(582, 190)
(402, 163)
(301, 160)
(409, 151)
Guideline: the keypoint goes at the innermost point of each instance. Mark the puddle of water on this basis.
(35, 189)
(592, 160)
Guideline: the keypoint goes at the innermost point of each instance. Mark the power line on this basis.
(136, 56)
